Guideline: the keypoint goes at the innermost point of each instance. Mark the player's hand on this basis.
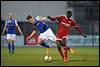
(84, 36)
(48, 17)
(28, 39)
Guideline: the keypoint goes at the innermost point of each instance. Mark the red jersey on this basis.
(63, 31)
(61, 28)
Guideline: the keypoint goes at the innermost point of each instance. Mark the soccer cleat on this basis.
(12, 53)
(65, 59)
(71, 50)
(9, 53)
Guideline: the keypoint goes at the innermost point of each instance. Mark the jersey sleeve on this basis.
(58, 18)
(54, 18)
(74, 22)
(16, 22)
(77, 27)
(38, 18)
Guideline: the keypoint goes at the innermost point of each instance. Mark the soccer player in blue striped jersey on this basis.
(9, 27)
(44, 29)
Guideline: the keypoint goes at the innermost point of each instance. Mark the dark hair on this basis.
(28, 17)
(69, 11)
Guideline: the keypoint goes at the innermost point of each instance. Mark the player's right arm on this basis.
(53, 18)
(4, 28)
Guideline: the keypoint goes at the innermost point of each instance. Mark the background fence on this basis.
(73, 41)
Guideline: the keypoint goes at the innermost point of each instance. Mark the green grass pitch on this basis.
(34, 56)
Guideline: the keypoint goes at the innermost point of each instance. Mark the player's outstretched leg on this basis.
(65, 50)
(59, 48)
(45, 45)
(42, 43)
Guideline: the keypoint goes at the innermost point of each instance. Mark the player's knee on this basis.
(12, 42)
(64, 41)
(58, 44)
(44, 44)
(58, 47)
(8, 41)
(40, 43)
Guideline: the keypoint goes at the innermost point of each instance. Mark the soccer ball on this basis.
(47, 58)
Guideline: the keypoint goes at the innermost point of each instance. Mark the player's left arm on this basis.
(18, 27)
(79, 30)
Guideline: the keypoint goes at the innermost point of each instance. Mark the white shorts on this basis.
(48, 34)
(11, 36)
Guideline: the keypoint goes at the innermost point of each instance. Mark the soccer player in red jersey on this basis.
(64, 25)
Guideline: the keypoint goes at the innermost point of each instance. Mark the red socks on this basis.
(61, 53)
(65, 52)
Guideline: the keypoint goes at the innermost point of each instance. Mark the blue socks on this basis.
(45, 45)
(9, 47)
(12, 48)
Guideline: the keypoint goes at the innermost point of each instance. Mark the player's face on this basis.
(10, 17)
(69, 14)
(31, 20)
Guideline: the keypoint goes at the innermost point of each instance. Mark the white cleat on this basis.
(71, 51)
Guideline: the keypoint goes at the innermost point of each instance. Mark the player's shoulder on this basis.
(14, 20)
(73, 20)
(7, 21)
(37, 18)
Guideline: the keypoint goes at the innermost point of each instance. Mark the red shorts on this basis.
(60, 36)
